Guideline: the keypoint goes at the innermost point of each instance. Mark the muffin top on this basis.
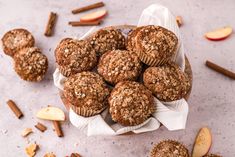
(30, 64)
(119, 65)
(131, 103)
(87, 90)
(16, 39)
(74, 56)
(131, 39)
(168, 82)
(169, 148)
(156, 41)
(107, 39)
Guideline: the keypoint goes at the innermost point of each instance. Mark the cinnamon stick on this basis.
(58, 129)
(50, 24)
(89, 7)
(15, 109)
(220, 69)
(75, 155)
(80, 23)
(40, 127)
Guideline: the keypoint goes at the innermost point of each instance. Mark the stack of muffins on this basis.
(29, 62)
(105, 71)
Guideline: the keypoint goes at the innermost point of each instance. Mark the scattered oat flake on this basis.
(26, 132)
(31, 150)
(49, 155)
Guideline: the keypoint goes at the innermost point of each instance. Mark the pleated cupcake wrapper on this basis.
(174, 56)
(64, 71)
(154, 149)
(84, 111)
(151, 61)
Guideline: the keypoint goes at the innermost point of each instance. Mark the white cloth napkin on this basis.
(173, 115)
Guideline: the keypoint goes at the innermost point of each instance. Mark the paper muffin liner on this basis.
(64, 71)
(154, 149)
(84, 111)
(151, 61)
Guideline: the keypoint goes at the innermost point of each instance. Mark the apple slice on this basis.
(202, 142)
(51, 113)
(219, 34)
(94, 16)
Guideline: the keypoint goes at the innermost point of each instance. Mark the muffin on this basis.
(212, 155)
(168, 82)
(156, 45)
(131, 103)
(30, 64)
(169, 148)
(86, 93)
(16, 39)
(131, 39)
(119, 65)
(74, 56)
(106, 40)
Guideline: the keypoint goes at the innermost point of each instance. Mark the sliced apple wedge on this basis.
(219, 34)
(51, 113)
(94, 16)
(202, 142)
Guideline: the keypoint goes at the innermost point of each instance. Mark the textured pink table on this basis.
(212, 101)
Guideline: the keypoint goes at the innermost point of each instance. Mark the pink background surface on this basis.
(211, 102)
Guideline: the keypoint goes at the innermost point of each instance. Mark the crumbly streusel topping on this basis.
(107, 39)
(131, 39)
(156, 41)
(86, 90)
(168, 82)
(119, 65)
(31, 64)
(73, 56)
(131, 103)
(169, 148)
(17, 39)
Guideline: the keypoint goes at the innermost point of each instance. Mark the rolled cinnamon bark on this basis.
(15, 109)
(220, 69)
(89, 7)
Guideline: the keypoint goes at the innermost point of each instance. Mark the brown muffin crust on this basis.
(30, 64)
(86, 91)
(131, 103)
(107, 39)
(119, 65)
(156, 43)
(212, 155)
(16, 39)
(74, 56)
(168, 82)
(169, 148)
(131, 39)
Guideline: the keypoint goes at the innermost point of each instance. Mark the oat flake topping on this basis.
(119, 65)
(168, 82)
(31, 64)
(169, 148)
(73, 56)
(156, 41)
(16, 39)
(107, 39)
(131, 103)
(87, 90)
